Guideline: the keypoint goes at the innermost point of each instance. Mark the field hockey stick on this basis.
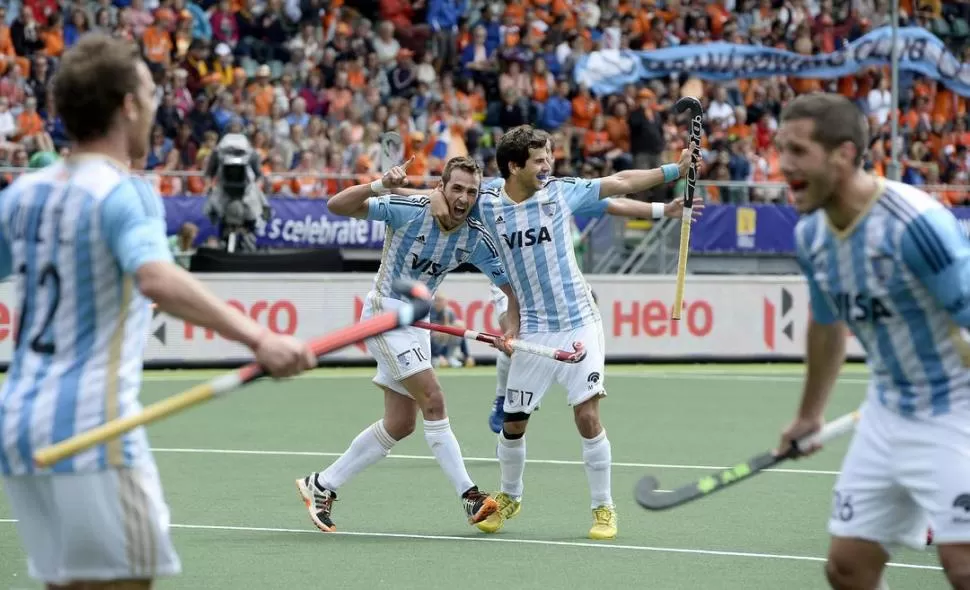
(418, 305)
(650, 497)
(688, 103)
(577, 355)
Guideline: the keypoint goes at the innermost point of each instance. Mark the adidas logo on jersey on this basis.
(420, 239)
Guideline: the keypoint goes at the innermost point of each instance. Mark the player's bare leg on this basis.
(426, 390)
(319, 490)
(955, 559)
(597, 459)
(855, 564)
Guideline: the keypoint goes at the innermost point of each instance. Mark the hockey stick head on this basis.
(577, 355)
(689, 103)
(648, 495)
(392, 150)
(419, 297)
(693, 106)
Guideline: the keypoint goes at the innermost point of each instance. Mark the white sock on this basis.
(444, 447)
(597, 457)
(511, 460)
(368, 448)
(502, 369)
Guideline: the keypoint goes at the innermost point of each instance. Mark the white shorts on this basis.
(902, 475)
(399, 353)
(531, 375)
(108, 525)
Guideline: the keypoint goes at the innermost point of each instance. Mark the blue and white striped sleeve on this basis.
(133, 222)
(936, 250)
(822, 311)
(583, 196)
(486, 259)
(396, 210)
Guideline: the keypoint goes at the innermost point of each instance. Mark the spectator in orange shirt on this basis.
(585, 108)
(156, 40)
(261, 92)
(29, 123)
(53, 36)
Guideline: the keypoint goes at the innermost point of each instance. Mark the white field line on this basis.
(483, 539)
(475, 459)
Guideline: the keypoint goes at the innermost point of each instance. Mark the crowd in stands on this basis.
(314, 83)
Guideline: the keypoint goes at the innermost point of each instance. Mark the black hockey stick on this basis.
(648, 495)
(691, 104)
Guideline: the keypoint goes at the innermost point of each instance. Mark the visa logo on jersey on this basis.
(529, 237)
(860, 308)
(427, 265)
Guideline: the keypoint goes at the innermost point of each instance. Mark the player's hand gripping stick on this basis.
(578, 353)
(650, 497)
(418, 305)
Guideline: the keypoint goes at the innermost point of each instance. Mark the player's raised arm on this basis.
(624, 207)
(356, 201)
(635, 181)
(936, 250)
(134, 225)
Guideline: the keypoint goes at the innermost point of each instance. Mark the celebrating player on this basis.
(417, 247)
(87, 243)
(502, 361)
(892, 263)
(530, 214)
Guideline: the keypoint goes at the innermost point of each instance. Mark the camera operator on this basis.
(236, 197)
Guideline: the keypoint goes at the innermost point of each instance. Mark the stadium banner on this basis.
(725, 318)
(759, 229)
(295, 223)
(920, 52)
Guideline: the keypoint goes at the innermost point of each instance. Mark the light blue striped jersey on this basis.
(900, 278)
(535, 241)
(72, 235)
(417, 248)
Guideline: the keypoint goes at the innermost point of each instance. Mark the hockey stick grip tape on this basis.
(834, 429)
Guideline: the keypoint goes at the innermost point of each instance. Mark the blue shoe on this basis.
(497, 417)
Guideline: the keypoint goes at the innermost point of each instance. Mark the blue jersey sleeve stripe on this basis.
(485, 235)
(928, 240)
(409, 202)
(934, 241)
(148, 202)
(933, 258)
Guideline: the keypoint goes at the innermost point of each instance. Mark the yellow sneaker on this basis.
(604, 523)
(507, 508)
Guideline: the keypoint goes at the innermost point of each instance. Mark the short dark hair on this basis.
(91, 83)
(460, 163)
(837, 120)
(515, 146)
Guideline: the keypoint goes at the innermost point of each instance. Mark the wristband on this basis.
(659, 210)
(671, 172)
(377, 187)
